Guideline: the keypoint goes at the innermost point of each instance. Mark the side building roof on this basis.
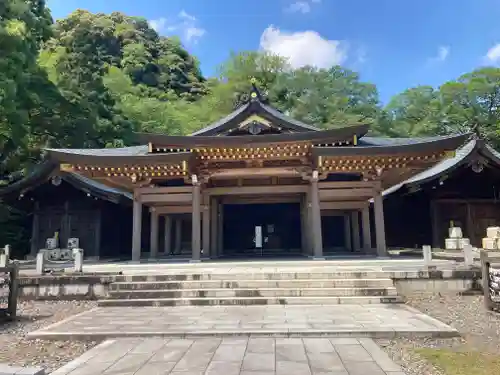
(45, 170)
(462, 156)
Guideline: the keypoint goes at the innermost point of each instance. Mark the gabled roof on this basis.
(47, 169)
(462, 156)
(254, 106)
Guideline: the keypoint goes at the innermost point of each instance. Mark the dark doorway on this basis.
(279, 225)
(333, 233)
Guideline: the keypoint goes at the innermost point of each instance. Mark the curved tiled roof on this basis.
(121, 151)
(42, 172)
(447, 165)
(252, 107)
(381, 146)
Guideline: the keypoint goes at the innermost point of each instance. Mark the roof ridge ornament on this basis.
(476, 133)
(255, 94)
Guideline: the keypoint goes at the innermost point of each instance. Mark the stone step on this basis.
(218, 284)
(250, 293)
(250, 301)
(183, 275)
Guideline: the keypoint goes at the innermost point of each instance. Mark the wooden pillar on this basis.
(378, 209)
(435, 224)
(220, 230)
(206, 226)
(153, 240)
(347, 232)
(316, 217)
(168, 235)
(35, 230)
(97, 238)
(178, 235)
(213, 226)
(304, 224)
(136, 231)
(308, 225)
(356, 239)
(469, 225)
(196, 215)
(367, 236)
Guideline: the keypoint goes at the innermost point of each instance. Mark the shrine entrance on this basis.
(258, 230)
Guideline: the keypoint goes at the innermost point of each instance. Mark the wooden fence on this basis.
(490, 273)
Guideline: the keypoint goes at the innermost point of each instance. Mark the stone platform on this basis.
(377, 321)
(234, 356)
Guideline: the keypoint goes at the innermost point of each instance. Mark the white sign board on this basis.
(258, 237)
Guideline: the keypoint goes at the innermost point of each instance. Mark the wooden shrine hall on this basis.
(258, 181)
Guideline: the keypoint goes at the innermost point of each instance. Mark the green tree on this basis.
(473, 100)
(413, 113)
(31, 108)
(326, 98)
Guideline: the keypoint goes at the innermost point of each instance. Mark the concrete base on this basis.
(195, 261)
(376, 321)
(234, 356)
(316, 258)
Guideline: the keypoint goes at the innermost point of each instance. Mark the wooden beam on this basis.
(250, 190)
(345, 193)
(162, 210)
(166, 198)
(165, 190)
(344, 205)
(261, 199)
(256, 172)
(349, 184)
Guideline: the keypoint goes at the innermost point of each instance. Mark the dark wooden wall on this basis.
(104, 228)
(471, 200)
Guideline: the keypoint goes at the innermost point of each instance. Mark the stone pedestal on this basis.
(456, 240)
(492, 239)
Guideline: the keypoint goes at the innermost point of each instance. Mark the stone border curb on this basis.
(378, 334)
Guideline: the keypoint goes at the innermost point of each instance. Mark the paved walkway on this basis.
(234, 356)
(377, 320)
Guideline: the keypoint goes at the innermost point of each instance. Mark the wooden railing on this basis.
(490, 273)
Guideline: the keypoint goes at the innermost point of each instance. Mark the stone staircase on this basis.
(260, 288)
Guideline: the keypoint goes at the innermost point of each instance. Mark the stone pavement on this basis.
(234, 356)
(377, 320)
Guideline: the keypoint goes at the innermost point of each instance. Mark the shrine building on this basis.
(255, 182)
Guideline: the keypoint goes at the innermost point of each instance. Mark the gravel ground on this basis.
(15, 349)
(480, 330)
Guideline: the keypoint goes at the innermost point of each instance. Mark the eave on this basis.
(189, 142)
(435, 145)
(117, 160)
(463, 156)
(44, 171)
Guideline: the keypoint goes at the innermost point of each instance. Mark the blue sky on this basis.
(395, 44)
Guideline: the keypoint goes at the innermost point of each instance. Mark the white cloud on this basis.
(303, 47)
(185, 25)
(193, 33)
(441, 55)
(443, 52)
(493, 54)
(184, 15)
(158, 25)
(301, 6)
(361, 56)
